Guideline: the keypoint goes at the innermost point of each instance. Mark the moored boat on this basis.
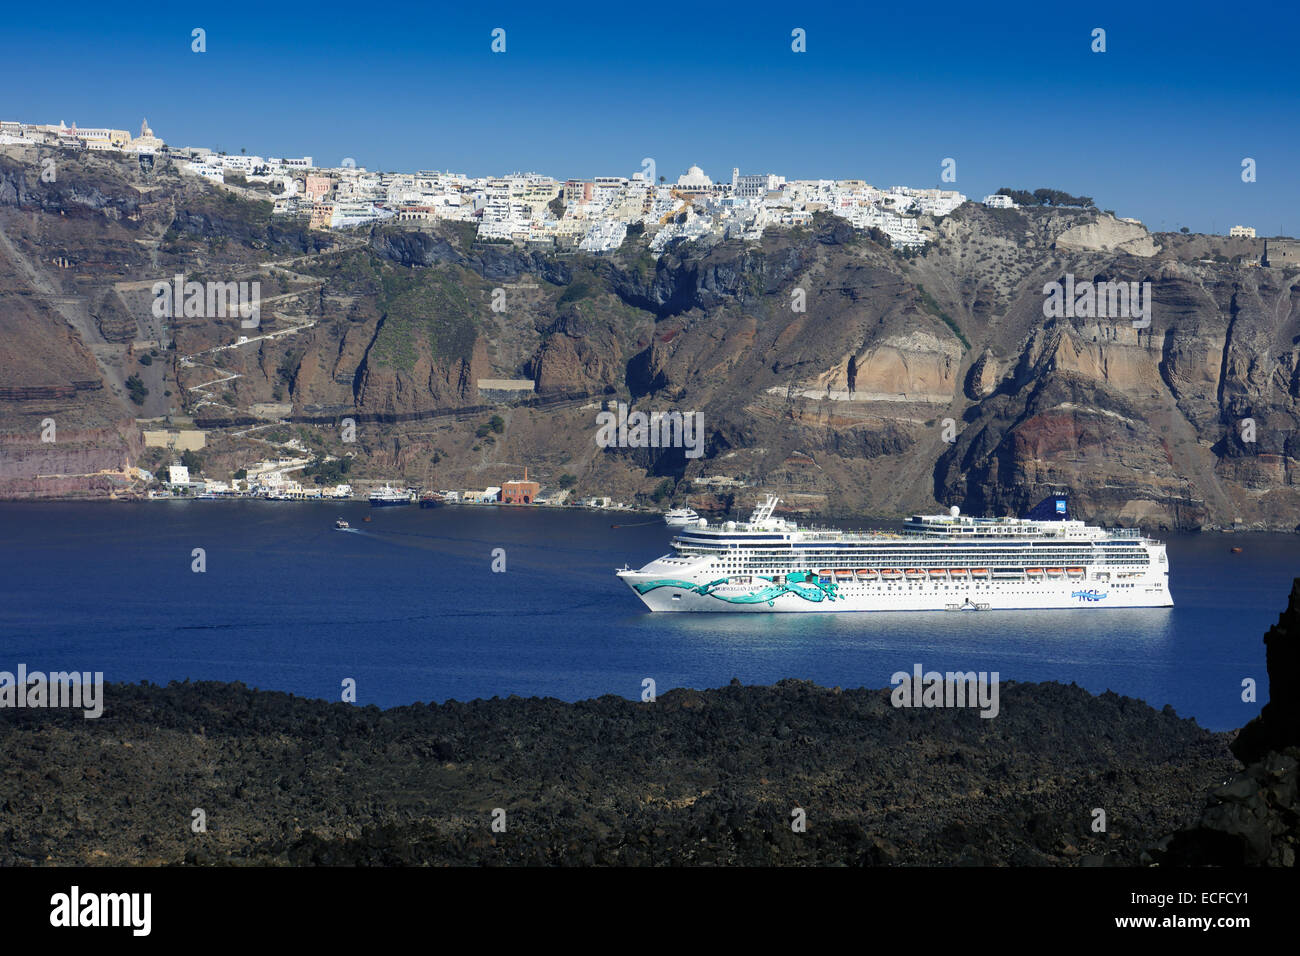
(388, 496)
(680, 517)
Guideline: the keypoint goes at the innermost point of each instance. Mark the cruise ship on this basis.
(945, 562)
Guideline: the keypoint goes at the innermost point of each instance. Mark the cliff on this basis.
(909, 381)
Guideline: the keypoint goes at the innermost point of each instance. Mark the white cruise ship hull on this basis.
(765, 597)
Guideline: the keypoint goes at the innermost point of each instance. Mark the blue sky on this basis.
(1156, 127)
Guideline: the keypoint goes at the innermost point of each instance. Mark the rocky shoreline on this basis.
(693, 777)
(833, 518)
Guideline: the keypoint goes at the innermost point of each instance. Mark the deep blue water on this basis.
(410, 608)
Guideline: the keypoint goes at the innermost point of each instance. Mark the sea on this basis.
(465, 602)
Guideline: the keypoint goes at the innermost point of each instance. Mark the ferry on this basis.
(934, 563)
(681, 517)
(386, 496)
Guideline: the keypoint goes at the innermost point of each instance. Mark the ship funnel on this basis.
(1051, 508)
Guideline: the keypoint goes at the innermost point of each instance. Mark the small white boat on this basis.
(341, 525)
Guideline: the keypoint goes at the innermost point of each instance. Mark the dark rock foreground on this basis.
(695, 777)
(1254, 818)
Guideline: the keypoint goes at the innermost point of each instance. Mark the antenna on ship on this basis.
(764, 511)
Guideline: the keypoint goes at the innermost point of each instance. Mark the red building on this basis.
(522, 492)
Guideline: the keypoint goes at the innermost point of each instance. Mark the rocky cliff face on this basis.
(823, 364)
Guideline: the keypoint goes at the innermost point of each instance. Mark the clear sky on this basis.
(1155, 127)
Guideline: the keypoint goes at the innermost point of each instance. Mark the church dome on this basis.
(694, 177)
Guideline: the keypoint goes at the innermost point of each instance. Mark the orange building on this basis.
(520, 492)
(322, 215)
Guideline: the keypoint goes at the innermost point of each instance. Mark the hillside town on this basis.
(530, 208)
(574, 214)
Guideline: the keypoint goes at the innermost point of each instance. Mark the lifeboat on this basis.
(866, 574)
(891, 574)
(1055, 572)
(913, 574)
(843, 574)
(825, 573)
(938, 573)
(1074, 572)
(980, 572)
(957, 572)
(1034, 572)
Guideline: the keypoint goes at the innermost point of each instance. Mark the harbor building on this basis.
(520, 492)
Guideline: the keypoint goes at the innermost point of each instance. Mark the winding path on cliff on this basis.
(344, 244)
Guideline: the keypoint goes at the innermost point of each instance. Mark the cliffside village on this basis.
(574, 214)
(588, 215)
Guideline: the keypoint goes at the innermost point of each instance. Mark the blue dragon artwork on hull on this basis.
(803, 584)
